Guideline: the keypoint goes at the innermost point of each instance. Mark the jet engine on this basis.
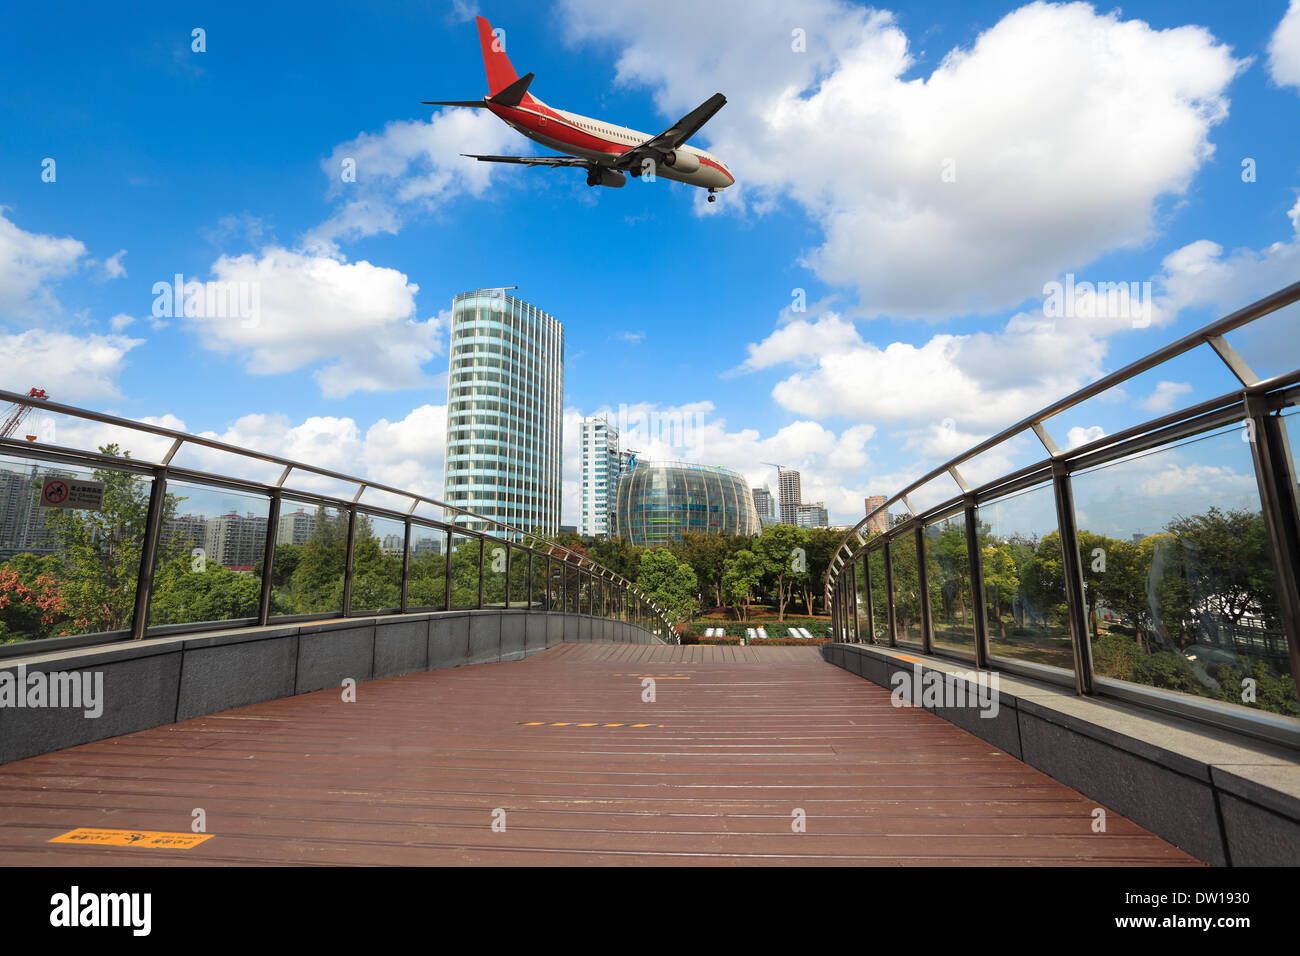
(682, 162)
(599, 176)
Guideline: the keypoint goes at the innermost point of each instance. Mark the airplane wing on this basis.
(533, 160)
(678, 133)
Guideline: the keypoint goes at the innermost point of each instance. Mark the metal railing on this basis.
(1257, 404)
(572, 580)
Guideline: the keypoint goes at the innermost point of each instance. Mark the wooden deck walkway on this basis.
(561, 749)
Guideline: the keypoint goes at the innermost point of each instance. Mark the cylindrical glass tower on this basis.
(658, 501)
(505, 411)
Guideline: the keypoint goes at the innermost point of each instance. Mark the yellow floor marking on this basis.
(586, 725)
(560, 725)
(642, 725)
(914, 660)
(613, 725)
(157, 839)
(534, 723)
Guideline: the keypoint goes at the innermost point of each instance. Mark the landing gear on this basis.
(591, 178)
(712, 198)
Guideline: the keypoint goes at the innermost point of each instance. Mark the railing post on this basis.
(853, 602)
(871, 603)
(347, 568)
(923, 582)
(974, 557)
(148, 554)
(268, 558)
(406, 562)
(889, 594)
(446, 573)
(1274, 464)
(507, 591)
(482, 548)
(1073, 572)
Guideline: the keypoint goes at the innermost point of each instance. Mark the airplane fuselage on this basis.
(604, 142)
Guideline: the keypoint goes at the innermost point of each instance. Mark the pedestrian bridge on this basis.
(218, 655)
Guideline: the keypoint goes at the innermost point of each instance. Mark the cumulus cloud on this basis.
(29, 261)
(1051, 140)
(1164, 396)
(70, 367)
(1284, 49)
(410, 168)
(358, 318)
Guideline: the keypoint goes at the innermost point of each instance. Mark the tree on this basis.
(669, 583)
(742, 573)
(820, 545)
(781, 550)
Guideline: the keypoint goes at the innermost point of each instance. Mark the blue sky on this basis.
(1104, 144)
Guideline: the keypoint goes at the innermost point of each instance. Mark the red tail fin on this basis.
(500, 73)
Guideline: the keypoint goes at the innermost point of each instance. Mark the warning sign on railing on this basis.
(71, 493)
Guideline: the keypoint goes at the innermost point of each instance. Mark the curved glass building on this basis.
(505, 411)
(658, 501)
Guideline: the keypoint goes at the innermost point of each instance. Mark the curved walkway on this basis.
(557, 760)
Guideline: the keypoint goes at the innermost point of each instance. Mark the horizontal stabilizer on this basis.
(480, 104)
(513, 94)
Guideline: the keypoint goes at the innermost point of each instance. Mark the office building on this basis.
(505, 412)
(296, 527)
(600, 469)
(880, 523)
(811, 515)
(235, 540)
(789, 495)
(659, 501)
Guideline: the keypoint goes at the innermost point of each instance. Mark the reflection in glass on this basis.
(465, 555)
(907, 588)
(518, 577)
(377, 548)
(1178, 574)
(947, 563)
(69, 570)
(311, 548)
(426, 584)
(495, 566)
(1024, 586)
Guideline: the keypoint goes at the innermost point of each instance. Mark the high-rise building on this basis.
(600, 469)
(505, 411)
(880, 523)
(183, 533)
(658, 501)
(295, 528)
(811, 515)
(763, 502)
(235, 540)
(22, 520)
(790, 495)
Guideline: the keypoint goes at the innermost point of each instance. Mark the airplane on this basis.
(609, 153)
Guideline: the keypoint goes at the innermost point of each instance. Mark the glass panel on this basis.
(879, 597)
(1024, 589)
(426, 585)
(518, 577)
(555, 600)
(378, 544)
(538, 589)
(464, 571)
(584, 592)
(947, 563)
(311, 545)
(210, 550)
(495, 567)
(570, 589)
(68, 570)
(1180, 582)
(907, 588)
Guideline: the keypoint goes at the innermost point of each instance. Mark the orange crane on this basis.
(18, 412)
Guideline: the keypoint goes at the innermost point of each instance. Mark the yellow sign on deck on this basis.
(157, 839)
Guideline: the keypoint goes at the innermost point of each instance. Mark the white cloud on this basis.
(1066, 128)
(412, 167)
(71, 368)
(113, 267)
(1284, 49)
(1164, 395)
(358, 317)
(29, 261)
(1079, 435)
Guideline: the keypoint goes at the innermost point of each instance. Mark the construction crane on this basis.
(18, 412)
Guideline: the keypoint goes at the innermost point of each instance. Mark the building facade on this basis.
(296, 527)
(811, 515)
(659, 501)
(600, 470)
(505, 412)
(235, 540)
(880, 523)
(790, 495)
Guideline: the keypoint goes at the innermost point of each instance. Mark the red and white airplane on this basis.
(609, 153)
